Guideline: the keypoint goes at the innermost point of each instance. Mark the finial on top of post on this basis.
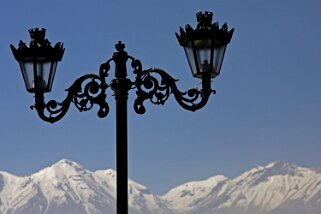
(120, 46)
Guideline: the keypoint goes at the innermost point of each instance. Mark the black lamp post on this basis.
(204, 47)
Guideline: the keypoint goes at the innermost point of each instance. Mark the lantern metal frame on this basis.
(207, 37)
(38, 62)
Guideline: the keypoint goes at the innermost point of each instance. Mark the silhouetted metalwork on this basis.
(204, 47)
(38, 61)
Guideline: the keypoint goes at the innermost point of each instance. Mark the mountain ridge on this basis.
(66, 186)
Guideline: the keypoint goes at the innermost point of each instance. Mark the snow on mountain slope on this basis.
(277, 188)
(269, 187)
(6, 182)
(64, 187)
(140, 199)
(67, 187)
(190, 195)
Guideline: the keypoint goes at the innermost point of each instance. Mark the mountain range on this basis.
(68, 188)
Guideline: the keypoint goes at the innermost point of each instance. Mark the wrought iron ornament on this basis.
(152, 84)
(204, 47)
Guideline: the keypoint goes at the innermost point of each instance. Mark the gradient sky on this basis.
(267, 106)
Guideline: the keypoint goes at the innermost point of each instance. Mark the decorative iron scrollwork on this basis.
(156, 85)
(90, 90)
(85, 92)
(152, 84)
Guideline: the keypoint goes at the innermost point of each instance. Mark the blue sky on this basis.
(267, 106)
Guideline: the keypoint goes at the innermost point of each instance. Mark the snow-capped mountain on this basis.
(278, 188)
(67, 187)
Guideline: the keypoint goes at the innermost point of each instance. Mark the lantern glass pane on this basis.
(27, 73)
(190, 57)
(43, 74)
(218, 59)
(203, 56)
(52, 74)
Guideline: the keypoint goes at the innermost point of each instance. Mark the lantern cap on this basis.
(205, 29)
(39, 47)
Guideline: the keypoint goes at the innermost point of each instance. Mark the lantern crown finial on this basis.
(204, 20)
(37, 34)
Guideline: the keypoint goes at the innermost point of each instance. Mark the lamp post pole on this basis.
(121, 85)
(121, 157)
(204, 47)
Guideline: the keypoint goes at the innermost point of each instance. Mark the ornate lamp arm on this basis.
(152, 84)
(156, 85)
(86, 91)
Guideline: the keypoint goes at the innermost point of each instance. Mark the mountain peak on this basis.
(280, 164)
(260, 174)
(66, 162)
(281, 168)
(62, 168)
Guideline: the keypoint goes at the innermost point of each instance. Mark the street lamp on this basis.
(204, 47)
(38, 62)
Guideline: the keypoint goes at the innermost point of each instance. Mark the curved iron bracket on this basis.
(156, 85)
(152, 84)
(86, 91)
